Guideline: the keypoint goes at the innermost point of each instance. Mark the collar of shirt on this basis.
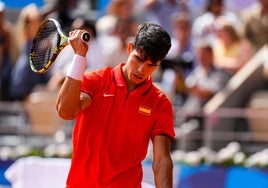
(120, 82)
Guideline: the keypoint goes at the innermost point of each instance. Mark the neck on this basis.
(130, 86)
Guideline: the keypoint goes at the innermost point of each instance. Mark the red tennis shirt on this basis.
(111, 136)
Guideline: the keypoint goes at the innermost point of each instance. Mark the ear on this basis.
(130, 47)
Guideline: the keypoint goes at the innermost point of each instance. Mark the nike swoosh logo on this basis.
(108, 95)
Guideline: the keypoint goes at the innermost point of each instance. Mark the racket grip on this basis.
(85, 36)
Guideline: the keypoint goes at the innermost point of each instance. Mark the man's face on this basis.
(137, 70)
(205, 57)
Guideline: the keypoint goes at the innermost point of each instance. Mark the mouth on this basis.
(137, 77)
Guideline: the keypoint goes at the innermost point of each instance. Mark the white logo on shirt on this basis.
(108, 95)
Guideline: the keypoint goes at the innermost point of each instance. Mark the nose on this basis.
(141, 68)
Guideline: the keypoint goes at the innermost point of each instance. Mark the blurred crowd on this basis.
(210, 43)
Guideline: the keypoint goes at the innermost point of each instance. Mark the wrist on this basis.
(77, 68)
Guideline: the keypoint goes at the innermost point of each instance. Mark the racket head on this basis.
(47, 43)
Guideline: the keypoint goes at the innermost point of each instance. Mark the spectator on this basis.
(202, 84)
(204, 81)
(23, 79)
(255, 20)
(180, 58)
(204, 25)
(5, 53)
(115, 28)
(122, 9)
(61, 10)
(160, 11)
(232, 51)
(181, 51)
(116, 50)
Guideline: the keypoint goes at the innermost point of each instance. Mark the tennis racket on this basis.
(48, 42)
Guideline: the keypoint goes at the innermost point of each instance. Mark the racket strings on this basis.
(45, 45)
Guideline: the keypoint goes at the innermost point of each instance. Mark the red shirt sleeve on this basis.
(93, 81)
(164, 123)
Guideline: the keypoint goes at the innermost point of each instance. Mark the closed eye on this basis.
(139, 59)
(152, 65)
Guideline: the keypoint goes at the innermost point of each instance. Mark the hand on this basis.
(75, 40)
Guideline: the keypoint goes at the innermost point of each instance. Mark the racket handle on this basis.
(85, 37)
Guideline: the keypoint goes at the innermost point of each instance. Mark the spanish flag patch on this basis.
(145, 110)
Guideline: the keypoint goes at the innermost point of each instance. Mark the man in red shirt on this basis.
(118, 110)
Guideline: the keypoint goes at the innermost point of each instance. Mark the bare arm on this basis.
(202, 93)
(70, 100)
(162, 163)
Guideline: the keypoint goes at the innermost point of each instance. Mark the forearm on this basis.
(68, 100)
(163, 173)
(202, 93)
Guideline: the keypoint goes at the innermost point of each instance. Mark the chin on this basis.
(139, 82)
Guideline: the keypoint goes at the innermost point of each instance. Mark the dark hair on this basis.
(210, 3)
(204, 44)
(152, 41)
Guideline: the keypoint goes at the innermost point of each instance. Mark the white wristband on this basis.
(77, 68)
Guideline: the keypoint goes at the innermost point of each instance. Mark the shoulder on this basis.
(99, 72)
(98, 76)
(95, 81)
(159, 95)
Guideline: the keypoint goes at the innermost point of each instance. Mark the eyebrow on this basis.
(152, 64)
(139, 53)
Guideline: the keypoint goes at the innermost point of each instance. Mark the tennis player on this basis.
(118, 110)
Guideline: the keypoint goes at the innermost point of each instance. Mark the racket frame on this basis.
(56, 51)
